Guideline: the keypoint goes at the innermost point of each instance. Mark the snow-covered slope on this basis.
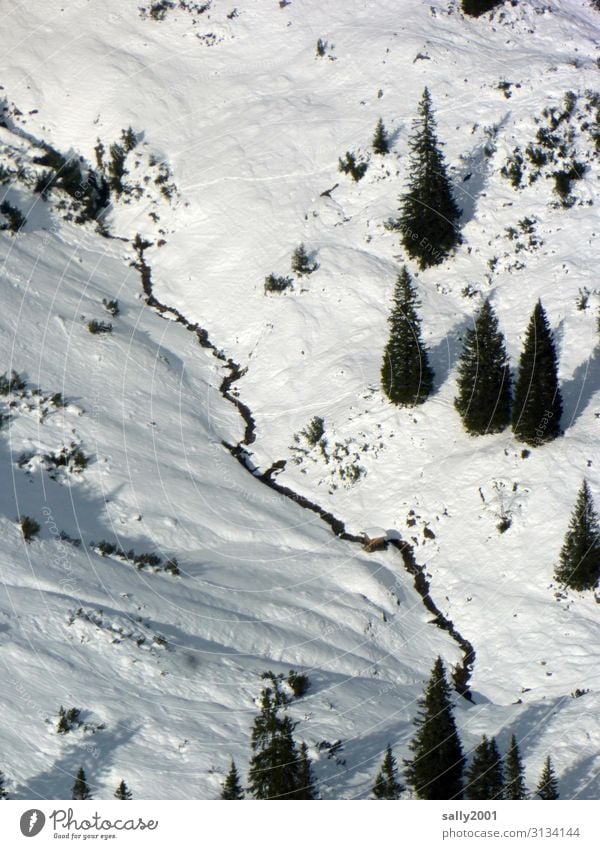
(248, 123)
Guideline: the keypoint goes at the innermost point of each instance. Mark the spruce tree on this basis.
(3, 792)
(381, 141)
(306, 783)
(484, 392)
(232, 788)
(537, 406)
(547, 788)
(436, 770)
(406, 375)
(123, 792)
(514, 774)
(484, 774)
(387, 784)
(579, 566)
(275, 765)
(428, 212)
(80, 787)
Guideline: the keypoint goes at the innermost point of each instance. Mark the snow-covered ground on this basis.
(250, 123)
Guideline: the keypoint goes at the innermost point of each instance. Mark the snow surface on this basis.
(251, 124)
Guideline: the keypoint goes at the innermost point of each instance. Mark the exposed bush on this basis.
(475, 8)
(111, 306)
(273, 283)
(314, 430)
(14, 383)
(29, 528)
(321, 47)
(14, 217)
(349, 165)
(299, 683)
(99, 326)
(67, 720)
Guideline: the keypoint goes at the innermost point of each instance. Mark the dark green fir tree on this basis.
(484, 386)
(123, 793)
(381, 140)
(537, 405)
(428, 212)
(275, 765)
(579, 565)
(3, 791)
(406, 375)
(484, 776)
(547, 788)
(232, 788)
(80, 787)
(436, 770)
(514, 774)
(387, 784)
(475, 8)
(306, 782)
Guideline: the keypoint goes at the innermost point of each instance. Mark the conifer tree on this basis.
(406, 375)
(123, 792)
(301, 262)
(484, 774)
(381, 141)
(80, 787)
(537, 406)
(428, 212)
(232, 788)
(306, 784)
(547, 788)
(387, 784)
(436, 770)
(484, 392)
(514, 774)
(579, 566)
(3, 793)
(275, 765)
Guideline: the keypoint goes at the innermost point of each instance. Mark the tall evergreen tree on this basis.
(484, 392)
(537, 406)
(232, 788)
(381, 141)
(514, 774)
(436, 770)
(547, 788)
(579, 566)
(123, 793)
(275, 765)
(428, 212)
(3, 792)
(387, 785)
(306, 783)
(484, 774)
(80, 787)
(406, 375)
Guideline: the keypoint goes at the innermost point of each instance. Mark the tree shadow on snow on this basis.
(579, 391)
(94, 752)
(444, 356)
